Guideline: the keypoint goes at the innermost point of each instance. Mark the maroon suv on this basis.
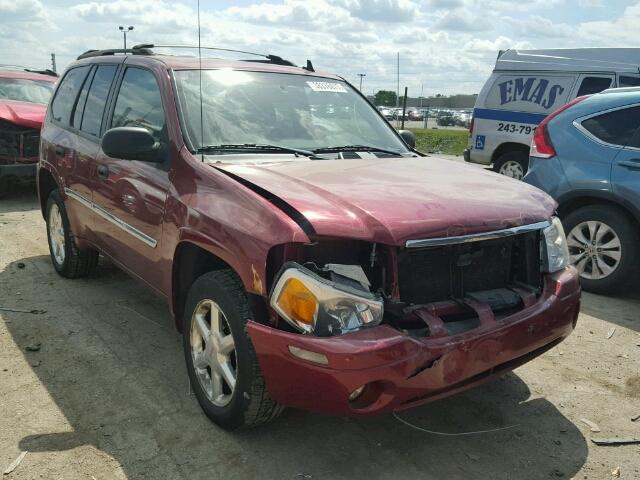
(310, 260)
(23, 103)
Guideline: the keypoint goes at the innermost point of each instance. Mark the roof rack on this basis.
(270, 58)
(136, 50)
(46, 71)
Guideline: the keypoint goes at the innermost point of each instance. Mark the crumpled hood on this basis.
(391, 201)
(24, 114)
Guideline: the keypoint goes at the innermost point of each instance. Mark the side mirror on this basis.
(131, 143)
(408, 137)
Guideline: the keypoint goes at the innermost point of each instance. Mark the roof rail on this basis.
(112, 51)
(270, 58)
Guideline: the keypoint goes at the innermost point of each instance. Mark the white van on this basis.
(527, 85)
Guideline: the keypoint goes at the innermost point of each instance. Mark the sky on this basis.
(445, 46)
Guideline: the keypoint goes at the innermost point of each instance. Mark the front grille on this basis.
(448, 272)
(18, 144)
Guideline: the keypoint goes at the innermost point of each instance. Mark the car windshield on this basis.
(34, 91)
(285, 110)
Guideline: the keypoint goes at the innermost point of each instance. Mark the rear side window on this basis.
(628, 81)
(617, 127)
(97, 98)
(67, 93)
(139, 103)
(591, 85)
(82, 99)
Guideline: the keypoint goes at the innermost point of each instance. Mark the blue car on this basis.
(586, 155)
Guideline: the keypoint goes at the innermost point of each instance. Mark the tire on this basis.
(512, 164)
(248, 404)
(620, 256)
(68, 260)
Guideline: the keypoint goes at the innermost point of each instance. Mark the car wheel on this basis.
(221, 361)
(512, 164)
(68, 260)
(603, 244)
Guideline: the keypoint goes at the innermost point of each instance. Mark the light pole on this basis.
(124, 32)
(361, 75)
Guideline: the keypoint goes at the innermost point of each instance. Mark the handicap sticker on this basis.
(480, 142)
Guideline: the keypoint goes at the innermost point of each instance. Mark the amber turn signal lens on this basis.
(298, 302)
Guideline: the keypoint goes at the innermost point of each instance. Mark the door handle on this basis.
(632, 164)
(103, 171)
(59, 150)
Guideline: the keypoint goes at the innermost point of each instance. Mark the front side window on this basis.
(67, 93)
(591, 85)
(96, 99)
(139, 103)
(616, 127)
(34, 91)
(287, 110)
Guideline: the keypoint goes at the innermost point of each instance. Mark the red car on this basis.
(23, 102)
(309, 260)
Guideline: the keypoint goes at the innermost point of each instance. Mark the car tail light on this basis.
(541, 146)
(471, 126)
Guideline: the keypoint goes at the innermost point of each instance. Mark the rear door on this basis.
(131, 194)
(625, 172)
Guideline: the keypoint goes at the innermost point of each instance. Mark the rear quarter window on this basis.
(616, 127)
(65, 100)
(529, 93)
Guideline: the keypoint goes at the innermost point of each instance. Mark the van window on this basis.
(592, 85)
(139, 103)
(67, 93)
(616, 128)
(97, 98)
(628, 81)
(536, 93)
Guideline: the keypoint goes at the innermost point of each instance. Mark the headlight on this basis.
(556, 246)
(316, 305)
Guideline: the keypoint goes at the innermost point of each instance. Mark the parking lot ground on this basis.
(105, 395)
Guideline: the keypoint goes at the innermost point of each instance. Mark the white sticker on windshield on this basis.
(327, 87)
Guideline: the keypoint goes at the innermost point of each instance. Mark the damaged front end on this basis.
(386, 327)
(19, 148)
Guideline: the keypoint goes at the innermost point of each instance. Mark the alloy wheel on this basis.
(595, 249)
(56, 234)
(512, 169)
(213, 352)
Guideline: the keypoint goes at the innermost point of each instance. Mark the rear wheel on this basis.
(603, 244)
(512, 164)
(221, 362)
(68, 260)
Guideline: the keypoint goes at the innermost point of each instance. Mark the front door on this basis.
(129, 194)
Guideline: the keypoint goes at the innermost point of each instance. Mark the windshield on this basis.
(293, 111)
(34, 91)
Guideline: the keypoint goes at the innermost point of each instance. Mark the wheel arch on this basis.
(46, 184)
(191, 261)
(575, 200)
(509, 147)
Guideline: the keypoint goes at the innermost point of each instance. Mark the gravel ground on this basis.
(105, 395)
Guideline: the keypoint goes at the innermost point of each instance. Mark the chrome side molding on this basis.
(143, 237)
(476, 237)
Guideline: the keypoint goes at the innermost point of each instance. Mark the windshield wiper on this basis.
(255, 147)
(354, 148)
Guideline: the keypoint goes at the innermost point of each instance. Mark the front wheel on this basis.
(512, 164)
(603, 244)
(221, 362)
